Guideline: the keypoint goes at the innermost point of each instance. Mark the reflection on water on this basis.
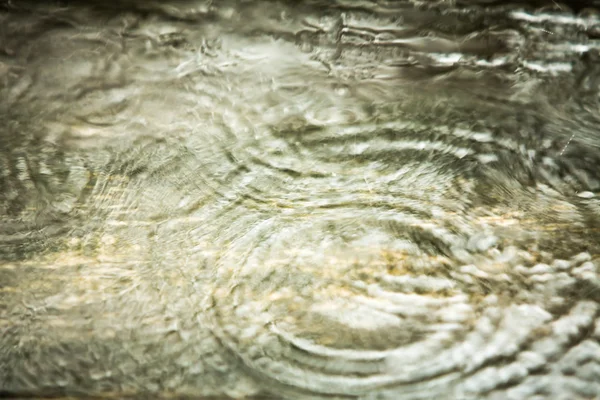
(370, 199)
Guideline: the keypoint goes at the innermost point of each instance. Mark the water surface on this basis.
(370, 199)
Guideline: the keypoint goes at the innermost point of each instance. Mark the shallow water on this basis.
(370, 199)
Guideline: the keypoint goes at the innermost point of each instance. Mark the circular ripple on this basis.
(373, 276)
(306, 299)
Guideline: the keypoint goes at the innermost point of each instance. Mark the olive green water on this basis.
(349, 200)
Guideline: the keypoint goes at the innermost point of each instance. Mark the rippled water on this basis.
(318, 199)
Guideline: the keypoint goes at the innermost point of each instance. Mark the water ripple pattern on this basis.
(305, 200)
